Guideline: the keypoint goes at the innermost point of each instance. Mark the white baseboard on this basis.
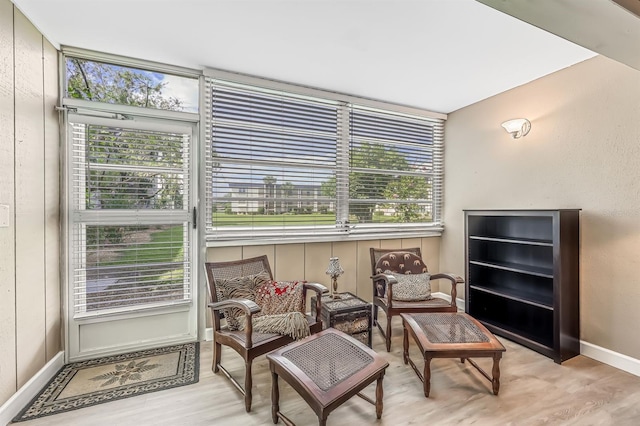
(26, 393)
(607, 356)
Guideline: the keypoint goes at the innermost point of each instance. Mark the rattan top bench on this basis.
(326, 369)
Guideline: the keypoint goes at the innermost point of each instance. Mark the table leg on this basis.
(496, 372)
(275, 397)
(379, 396)
(427, 376)
(405, 343)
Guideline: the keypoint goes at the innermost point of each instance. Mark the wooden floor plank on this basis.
(533, 391)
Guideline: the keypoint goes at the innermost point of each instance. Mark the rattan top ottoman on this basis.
(326, 369)
(450, 335)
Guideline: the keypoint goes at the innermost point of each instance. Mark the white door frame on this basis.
(136, 328)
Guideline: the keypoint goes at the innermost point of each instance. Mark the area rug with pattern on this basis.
(84, 383)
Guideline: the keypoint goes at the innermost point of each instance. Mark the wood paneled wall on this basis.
(30, 305)
(309, 261)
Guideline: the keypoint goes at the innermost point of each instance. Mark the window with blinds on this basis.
(280, 164)
(395, 168)
(271, 161)
(130, 230)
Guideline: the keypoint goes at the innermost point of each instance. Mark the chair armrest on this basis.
(389, 281)
(249, 307)
(455, 279)
(319, 289)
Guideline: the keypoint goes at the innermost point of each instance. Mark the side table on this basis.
(348, 313)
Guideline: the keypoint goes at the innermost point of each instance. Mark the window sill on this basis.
(133, 312)
(432, 232)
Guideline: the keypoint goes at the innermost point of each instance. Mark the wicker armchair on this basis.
(383, 293)
(247, 343)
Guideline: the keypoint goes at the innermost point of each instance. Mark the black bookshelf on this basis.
(523, 277)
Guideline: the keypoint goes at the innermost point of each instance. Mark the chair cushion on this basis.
(402, 262)
(280, 297)
(245, 287)
(436, 303)
(411, 287)
(281, 304)
(281, 309)
(292, 324)
(259, 338)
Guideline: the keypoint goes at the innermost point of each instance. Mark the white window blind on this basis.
(130, 218)
(272, 160)
(395, 168)
(283, 165)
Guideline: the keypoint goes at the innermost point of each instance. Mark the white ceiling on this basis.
(440, 55)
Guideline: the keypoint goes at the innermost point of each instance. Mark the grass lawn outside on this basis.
(225, 219)
(164, 245)
(147, 268)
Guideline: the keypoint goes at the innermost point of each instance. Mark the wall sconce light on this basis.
(334, 270)
(518, 127)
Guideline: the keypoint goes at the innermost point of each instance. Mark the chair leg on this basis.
(388, 336)
(375, 314)
(247, 386)
(217, 354)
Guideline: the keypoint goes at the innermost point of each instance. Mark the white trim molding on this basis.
(609, 357)
(26, 393)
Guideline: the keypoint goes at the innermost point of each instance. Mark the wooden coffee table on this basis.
(450, 335)
(326, 369)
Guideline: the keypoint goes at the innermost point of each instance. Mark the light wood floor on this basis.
(534, 391)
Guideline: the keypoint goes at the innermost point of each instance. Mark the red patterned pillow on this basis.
(280, 297)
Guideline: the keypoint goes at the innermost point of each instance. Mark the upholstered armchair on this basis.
(237, 278)
(401, 284)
